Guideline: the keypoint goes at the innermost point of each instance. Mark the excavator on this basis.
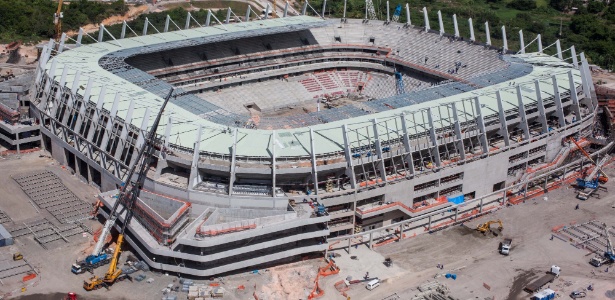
(486, 227)
(128, 197)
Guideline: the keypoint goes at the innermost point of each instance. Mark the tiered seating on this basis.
(311, 85)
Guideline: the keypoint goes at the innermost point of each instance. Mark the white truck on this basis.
(505, 246)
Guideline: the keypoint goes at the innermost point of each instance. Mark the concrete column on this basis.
(286, 9)
(124, 25)
(440, 23)
(60, 91)
(62, 40)
(79, 36)
(480, 208)
(588, 79)
(456, 213)
(521, 42)
(97, 113)
(388, 13)
(539, 40)
(455, 25)
(426, 19)
(143, 129)
(69, 120)
(313, 159)
(145, 24)
(349, 159)
(248, 13)
(371, 240)
(472, 37)
(434, 139)
(188, 16)
(208, 18)
(429, 225)
(101, 32)
(195, 175)
(267, 11)
(481, 126)
(541, 107)
(109, 125)
(457, 127)
(502, 116)
(305, 5)
(558, 102)
(575, 61)
(124, 133)
(228, 16)
(504, 40)
(522, 115)
(558, 46)
(575, 98)
(232, 178)
(488, 36)
(383, 174)
(408, 22)
(324, 6)
(166, 23)
(162, 158)
(273, 165)
(86, 98)
(407, 147)
(349, 244)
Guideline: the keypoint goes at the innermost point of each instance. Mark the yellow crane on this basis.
(274, 12)
(57, 20)
(486, 227)
(113, 274)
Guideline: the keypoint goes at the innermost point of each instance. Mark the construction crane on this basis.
(128, 197)
(486, 227)
(274, 12)
(57, 20)
(609, 255)
(397, 13)
(603, 178)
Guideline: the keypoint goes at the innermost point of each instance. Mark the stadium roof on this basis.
(328, 137)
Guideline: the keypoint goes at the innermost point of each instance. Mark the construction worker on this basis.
(576, 207)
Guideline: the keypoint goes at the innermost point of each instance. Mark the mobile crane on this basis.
(609, 255)
(591, 182)
(129, 194)
(57, 21)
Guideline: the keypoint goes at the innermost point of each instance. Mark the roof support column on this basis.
(145, 24)
(166, 23)
(523, 122)
(472, 37)
(383, 173)
(195, 175)
(482, 137)
(487, 34)
(588, 81)
(313, 159)
(575, 61)
(502, 116)
(59, 93)
(248, 13)
(61, 46)
(109, 125)
(521, 42)
(273, 165)
(558, 46)
(231, 179)
(349, 163)
(539, 40)
(141, 137)
(101, 32)
(440, 23)
(188, 16)
(406, 140)
(124, 133)
(541, 107)
(456, 25)
(324, 7)
(575, 98)
(504, 40)
(286, 9)
(228, 16)
(267, 11)
(162, 158)
(79, 37)
(388, 14)
(426, 19)
(208, 18)
(305, 5)
(408, 22)
(82, 110)
(97, 113)
(457, 127)
(558, 102)
(70, 102)
(434, 139)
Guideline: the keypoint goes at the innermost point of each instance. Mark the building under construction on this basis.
(288, 135)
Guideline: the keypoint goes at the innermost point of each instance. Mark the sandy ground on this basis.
(133, 12)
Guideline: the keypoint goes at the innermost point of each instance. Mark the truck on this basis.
(90, 263)
(505, 246)
(549, 277)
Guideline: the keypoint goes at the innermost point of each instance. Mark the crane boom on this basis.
(609, 247)
(57, 20)
(589, 157)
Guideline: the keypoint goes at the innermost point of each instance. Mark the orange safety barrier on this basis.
(234, 229)
(214, 284)
(241, 287)
(29, 277)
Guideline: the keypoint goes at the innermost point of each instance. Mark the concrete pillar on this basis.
(539, 40)
(79, 36)
(388, 13)
(472, 37)
(426, 19)
(101, 31)
(429, 225)
(408, 14)
(481, 126)
(109, 125)
(286, 9)
(208, 18)
(273, 165)
(305, 5)
(62, 40)
(324, 6)
(521, 42)
(232, 177)
(456, 213)
(349, 159)
(248, 13)
(559, 109)
(504, 39)
(407, 147)
(588, 79)
(558, 46)
(480, 208)
(383, 174)
(575, 61)
(124, 25)
(458, 135)
(195, 175)
(502, 116)
(267, 10)
(488, 36)
(228, 16)
(573, 95)
(145, 24)
(541, 107)
(455, 25)
(522, 115)
(313, 159)
(188, 16)
(434, 138)
(124, 133)
(440, 23)
(143, 129)
(97, 113)
(166, 23)
(371, 240)
(60, 91)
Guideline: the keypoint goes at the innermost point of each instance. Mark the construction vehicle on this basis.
(17, 256)
(486, 227)
(505, 246)
(592, 181)
(57, 21)
(609, 255)
(576, 295)
(90, 262)
(537, 284)
(129, 194)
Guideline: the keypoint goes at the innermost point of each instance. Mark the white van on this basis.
(373, 284)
